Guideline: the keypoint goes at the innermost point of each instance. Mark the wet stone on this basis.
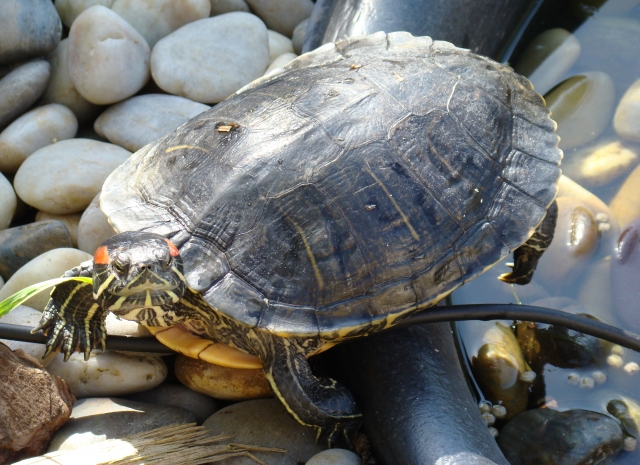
(625, 269)
(601, 163)
(582, 106)
(96, 419)
(107, 59)
(49, 265)
(222, 382)
(21, 88)
(548, 57)
(155, 19)
(35, 129)
(184, 63)
(134, 123)
(28, 28)
(94, 227)
(547, 437)
(282, 15)
(70, 220)
(627, 118)
(176, 395)
(265, 423)
(21, 244)
(626, 203)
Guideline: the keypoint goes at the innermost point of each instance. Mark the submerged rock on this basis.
(625, 273)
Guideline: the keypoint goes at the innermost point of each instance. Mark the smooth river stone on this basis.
(210, 59)
(278, 45)
(28, 28)
(107, 59)
(8, 202)
(582, 106)
(94, 228)
(335, 457)
(220, 7)
(70, 220)
(49, 265)
(155, 19)
(21, 88)
(548, 57)
(626, 203)
(96, 419)
(65, 177)
(625, 270)
(134, 123)
(22, 244)
(109, 373)
(69, 10)
(222, 382)
(626, 121)
(35, 129)
(600, 163)
(282, 15)
(61, 90)
(611, 45)
(28, 317)
(575, 240)
(265, 423)
(299, 35)
(277, 64)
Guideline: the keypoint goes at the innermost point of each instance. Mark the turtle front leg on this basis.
(321, 403)
(73, 320)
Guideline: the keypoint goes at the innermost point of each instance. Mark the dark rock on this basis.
(266, 423)
(21, 88)
(177, 395)
(96, 419)
(28, 28)
(33, 404)
(21, 244)
(549, 437)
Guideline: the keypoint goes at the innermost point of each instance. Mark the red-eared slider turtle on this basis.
(365, 182)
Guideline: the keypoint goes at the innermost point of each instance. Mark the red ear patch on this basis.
(173, 250)
(101, 257)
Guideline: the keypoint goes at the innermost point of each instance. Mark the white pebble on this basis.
(627, 114)
(493, 431)
(282, 15)
(142, 119)
(335, 457)
(599, 377)
(587, 383)
(617, 349)
(277, 64)
(278, 45)
(528, 377)
(69, 10)
(49, 265)
(488, 418)
(65, 177)
(109, 373)
(8, 202)
(484, 406)
(108, 60)
(632, 368)
(61, 90)
(35, 129)
(499, 411)
(155, 19)
(208, 60)
(630, 443)
(574, 378)
(615, 361)
(94, 228)
(299, 35)
(70, 221)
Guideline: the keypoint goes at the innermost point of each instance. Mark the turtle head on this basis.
(135, 270)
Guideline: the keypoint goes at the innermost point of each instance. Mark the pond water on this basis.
(584, 57)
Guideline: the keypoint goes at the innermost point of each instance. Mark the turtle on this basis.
(361, 183)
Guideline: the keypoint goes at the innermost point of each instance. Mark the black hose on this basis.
(431, 315)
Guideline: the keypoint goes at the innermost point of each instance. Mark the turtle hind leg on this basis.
(321, 403)
(73, 320)
(526, 256)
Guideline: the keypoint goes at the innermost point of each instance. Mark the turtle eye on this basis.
(119, 267)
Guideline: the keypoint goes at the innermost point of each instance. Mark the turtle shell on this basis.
(368, 179)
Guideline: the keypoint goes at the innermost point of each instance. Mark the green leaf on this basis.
(16, 299)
